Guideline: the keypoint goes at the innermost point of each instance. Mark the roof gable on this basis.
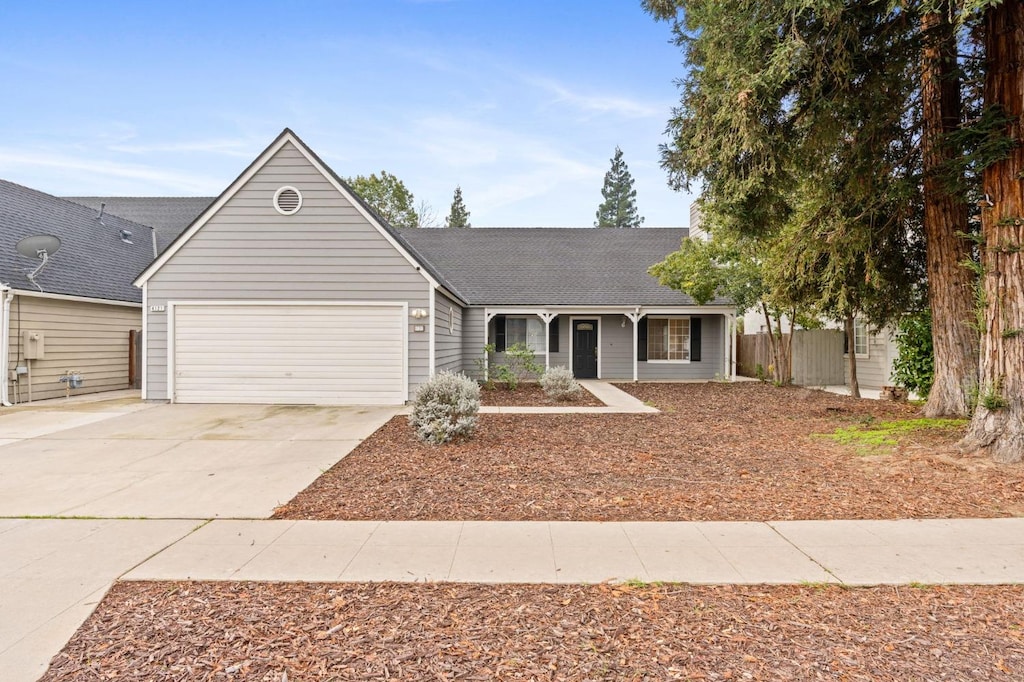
(287, 137)
(93, 260)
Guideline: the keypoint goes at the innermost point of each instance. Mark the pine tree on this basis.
(459, 214)
(619, 206)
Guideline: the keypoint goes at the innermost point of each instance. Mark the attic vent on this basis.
(287, 200)
(126, 236)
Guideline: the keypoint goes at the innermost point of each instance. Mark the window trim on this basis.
(858, 322)
(689, 338)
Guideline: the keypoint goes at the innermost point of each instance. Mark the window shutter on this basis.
(694, 339)
(553, 336)
(641, 340)
(499, 333)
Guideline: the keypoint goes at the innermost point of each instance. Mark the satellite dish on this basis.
(39, 246)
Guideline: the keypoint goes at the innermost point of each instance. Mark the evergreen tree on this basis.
(619, 206)
(997, 427)
(458, 216)
(388, 196)
(861, 98)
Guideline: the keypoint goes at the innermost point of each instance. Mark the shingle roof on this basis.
(92, 261)
(552, 266)
(168, 215)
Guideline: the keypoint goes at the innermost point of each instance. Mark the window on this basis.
(668, 338)
(526, 330)
(860, 338)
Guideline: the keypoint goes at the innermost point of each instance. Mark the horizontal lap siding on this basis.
(473, 341)
(447, 337)
(711, 362)
(90, 338)
(249, 252)
(874, 371)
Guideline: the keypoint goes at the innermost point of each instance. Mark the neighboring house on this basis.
(288, 288)
(876, 350)
(75, 314)
(168, 216)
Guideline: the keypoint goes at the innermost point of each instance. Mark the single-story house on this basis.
(68, 305)
(288, 288)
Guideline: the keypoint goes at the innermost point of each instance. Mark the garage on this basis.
(292, 353)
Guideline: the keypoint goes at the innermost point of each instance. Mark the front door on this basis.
(584, 349)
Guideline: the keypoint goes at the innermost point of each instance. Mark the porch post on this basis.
(732, 347)
(488, 316)
(635, 319)
(547, 317)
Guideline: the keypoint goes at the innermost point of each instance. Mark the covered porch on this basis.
(627, 343)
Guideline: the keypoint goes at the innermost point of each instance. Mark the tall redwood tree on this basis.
(997, 428)
(950, 284)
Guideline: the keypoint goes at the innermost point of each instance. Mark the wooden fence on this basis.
(817, 356)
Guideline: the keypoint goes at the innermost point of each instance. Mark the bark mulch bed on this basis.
(718, 452)
(532, 395)
(273, 632)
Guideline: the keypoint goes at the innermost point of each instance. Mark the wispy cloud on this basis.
(15, 162)
(232, 147)
(596, 103)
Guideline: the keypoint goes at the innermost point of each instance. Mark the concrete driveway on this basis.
(111, 462)
(135, 460)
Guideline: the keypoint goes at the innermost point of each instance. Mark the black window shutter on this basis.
(499, 333)
(641, 340)
(694, 339)
(553, 336)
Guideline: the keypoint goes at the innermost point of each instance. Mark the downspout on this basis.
(5, 341)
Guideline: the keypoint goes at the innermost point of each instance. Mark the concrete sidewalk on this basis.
(974, 551)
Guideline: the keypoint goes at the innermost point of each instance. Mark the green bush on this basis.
(559, 383)
(914, 369)
(445, 408)
(519, 363)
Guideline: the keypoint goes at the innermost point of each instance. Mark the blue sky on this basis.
(520, 102)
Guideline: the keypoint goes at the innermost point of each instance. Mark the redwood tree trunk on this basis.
(997, 428)
(950, 285)
(851, 344)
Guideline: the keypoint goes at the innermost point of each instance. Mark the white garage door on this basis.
(289, 354)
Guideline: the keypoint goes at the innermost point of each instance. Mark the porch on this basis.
(635, 343)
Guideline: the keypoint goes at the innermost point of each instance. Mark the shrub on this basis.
(445, 408)
(914, 369)
(559, 384)
(520, 363)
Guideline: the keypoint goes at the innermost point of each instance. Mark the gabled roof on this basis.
(553, 266)
(92, 262)
(288, 137)
(169, 216)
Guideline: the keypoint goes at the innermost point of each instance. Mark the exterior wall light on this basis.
(418, 313)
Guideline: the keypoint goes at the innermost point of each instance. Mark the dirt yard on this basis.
(718, 452)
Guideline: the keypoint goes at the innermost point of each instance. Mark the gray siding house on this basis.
(289, 289)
